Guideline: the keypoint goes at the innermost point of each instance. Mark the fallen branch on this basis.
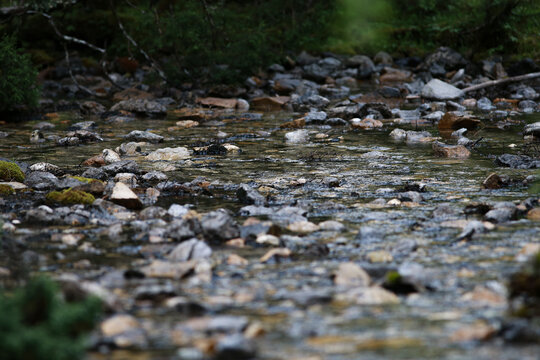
(502, 81)
(67, 38)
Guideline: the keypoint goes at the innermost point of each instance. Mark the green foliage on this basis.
(36, 324)
(10, 172)
(17, 77)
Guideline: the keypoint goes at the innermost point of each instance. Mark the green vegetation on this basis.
(17, 78)
(414, 27)
(85, 180)
(37, 324)
(71, 197)
(10, 171)
(6, 190)
(223, 41)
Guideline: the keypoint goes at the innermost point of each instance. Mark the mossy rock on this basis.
(6, 190)
(85, 180)
(71, 197)
(10, 172)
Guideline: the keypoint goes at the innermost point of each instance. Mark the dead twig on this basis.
(502, 81)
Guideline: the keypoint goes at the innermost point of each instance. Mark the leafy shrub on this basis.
(17, 78)
(36, 324)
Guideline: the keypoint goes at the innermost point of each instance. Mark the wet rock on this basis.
(532, 129)
(169, 270)
(472, 228)
(383, 58)
(68, 141)
(524, 289)
(218, 102)
(391, 75)
(219, 226)
(247, 195)
(83, 125)
(235, 347)
(118, 324)
(410, 196)
(527, 105)
(364, 65)
(517, 161)
(455, 121)
(137, 135)
(275, 103)
(302, 227)
(389, 92)
(123, 195)
(534, 214)
(192, 249)
(141, 106)
(493, 181)
(40, 180)
(380, 256)
(450, 151)
(351, 275)
(501, 215)
(484, 104)
(176, 210)
(130, 148)
(366, 123)
(169, 154)
(152, 212)
(297, 137)
(183, 229)
(369, 234)
(445, 57)
(110, 156)
(439, 90)
(411, 137)
(373, 295)
(46, 167)
(154, 177)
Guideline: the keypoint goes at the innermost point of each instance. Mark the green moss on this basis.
(6, 190)
(71, 197)
(393, 278)
(10, 172)
(85, 180)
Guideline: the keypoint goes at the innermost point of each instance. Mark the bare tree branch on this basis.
(502, 81)
(83, 88)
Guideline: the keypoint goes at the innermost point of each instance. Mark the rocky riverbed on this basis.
(332, 208)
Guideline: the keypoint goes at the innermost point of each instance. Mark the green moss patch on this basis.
(6, 190)
(84, 179)
(71, 197)
(10, 172)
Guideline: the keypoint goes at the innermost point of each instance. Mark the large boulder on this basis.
(439, 90)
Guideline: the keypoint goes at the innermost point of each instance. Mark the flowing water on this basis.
(285, 297)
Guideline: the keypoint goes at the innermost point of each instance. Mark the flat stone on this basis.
(217, 102)
(169, 154)
(450, 151)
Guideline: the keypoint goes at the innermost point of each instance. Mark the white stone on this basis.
(439, 90)
(169, 154)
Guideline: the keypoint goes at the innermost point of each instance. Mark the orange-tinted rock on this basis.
(127, 64)
(366, 123)
(534, 214)
(452, 121)
(395, 75)
(450, 151)
(294, 124)
(218, 102)
(95, 161)
(274, 103)
(191, 114)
